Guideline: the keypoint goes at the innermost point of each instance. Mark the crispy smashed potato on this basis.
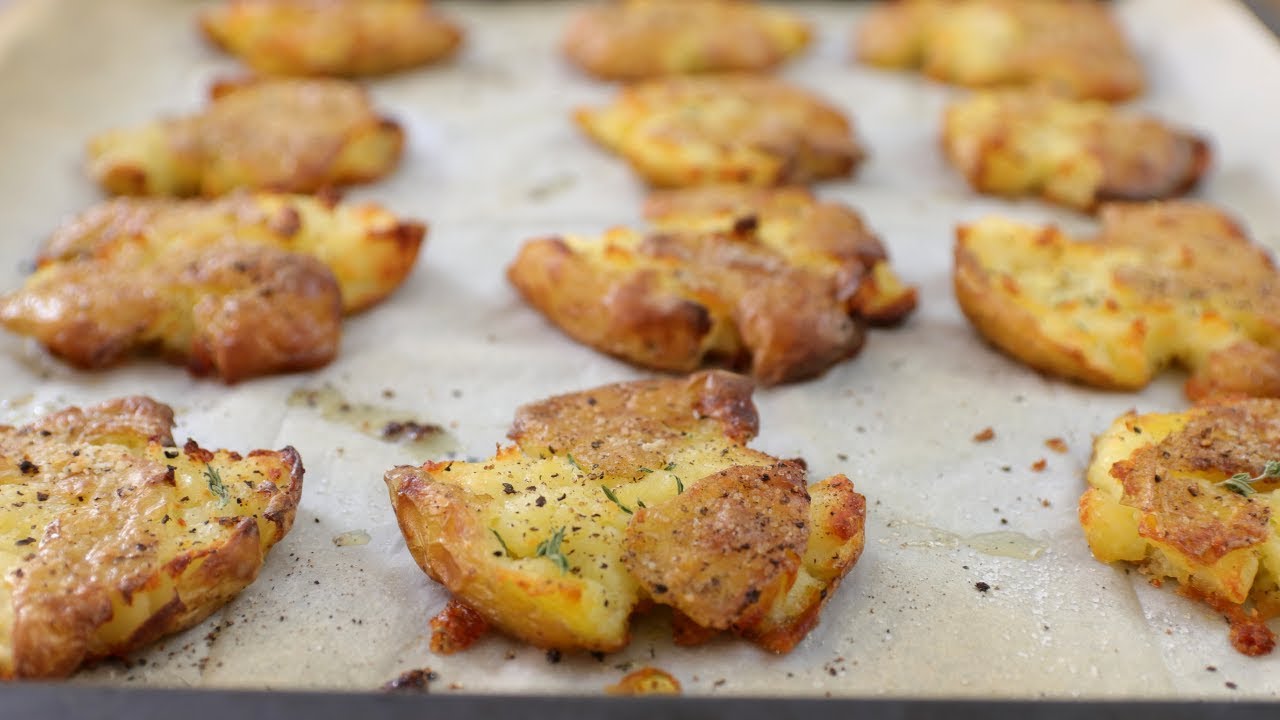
(331, 37)
(369, 250)
(287, 135)
(111, 538)
(227, 309)
(240, 286)
(639, 39)
(1193, 496)
(1072, 47)
(1164, 283)
(646, 681)
(708, 130)
(627, 495)
(1077, 153)
(770, 281)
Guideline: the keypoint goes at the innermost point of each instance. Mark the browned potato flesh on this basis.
(1192, 496)
(1077, 153)
(639, 39)
(111, 538)
(708, 130)
(1072, 47)
(287, 135)
(1163, 283)
(597, 511)
(331, 37)
(773, 281)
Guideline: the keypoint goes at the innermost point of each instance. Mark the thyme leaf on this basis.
(574, 462)
(550, 549)
(216, 486)
(609, 494)
(1242, 483)
(679, 485)
(502, 542)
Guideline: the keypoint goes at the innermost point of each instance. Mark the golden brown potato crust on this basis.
(1160, 497)
(767, 280)
(1077, 153)
(598, 510)
(288, 135)
(1072, 47)
(708, 130)
(331, 37)
(639, 39)
(369, 250)
(1164, 283)
(110, 537)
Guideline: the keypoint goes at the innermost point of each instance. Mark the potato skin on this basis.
(1073, 48)
(641, 39)
(724, 129)
(230, 310)
(126, 539)
(770, 280)
(344, 38)
(287, 135)
(1164, 283)
(1076, 153)
(1157, 498)
(609, 478)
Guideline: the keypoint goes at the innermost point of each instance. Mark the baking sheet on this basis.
(493, 159)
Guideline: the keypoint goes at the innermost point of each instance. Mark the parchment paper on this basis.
(494, 159)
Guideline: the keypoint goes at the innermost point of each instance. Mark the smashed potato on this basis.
(639, 39)
(767, 280)
(111, 537)
(629, 495)
(1164, 283)
(226, 308)
(707, 130)
(331, 37)
(1077, 153)
(1193, 496)
(1072, 47)
(287, 135)
(369, 250)
(646, 681)
(239, 286)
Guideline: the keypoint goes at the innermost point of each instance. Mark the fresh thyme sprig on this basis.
(502, 542)
(609, 494)
(550, 549)
(215, 483)
(1242, 483)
